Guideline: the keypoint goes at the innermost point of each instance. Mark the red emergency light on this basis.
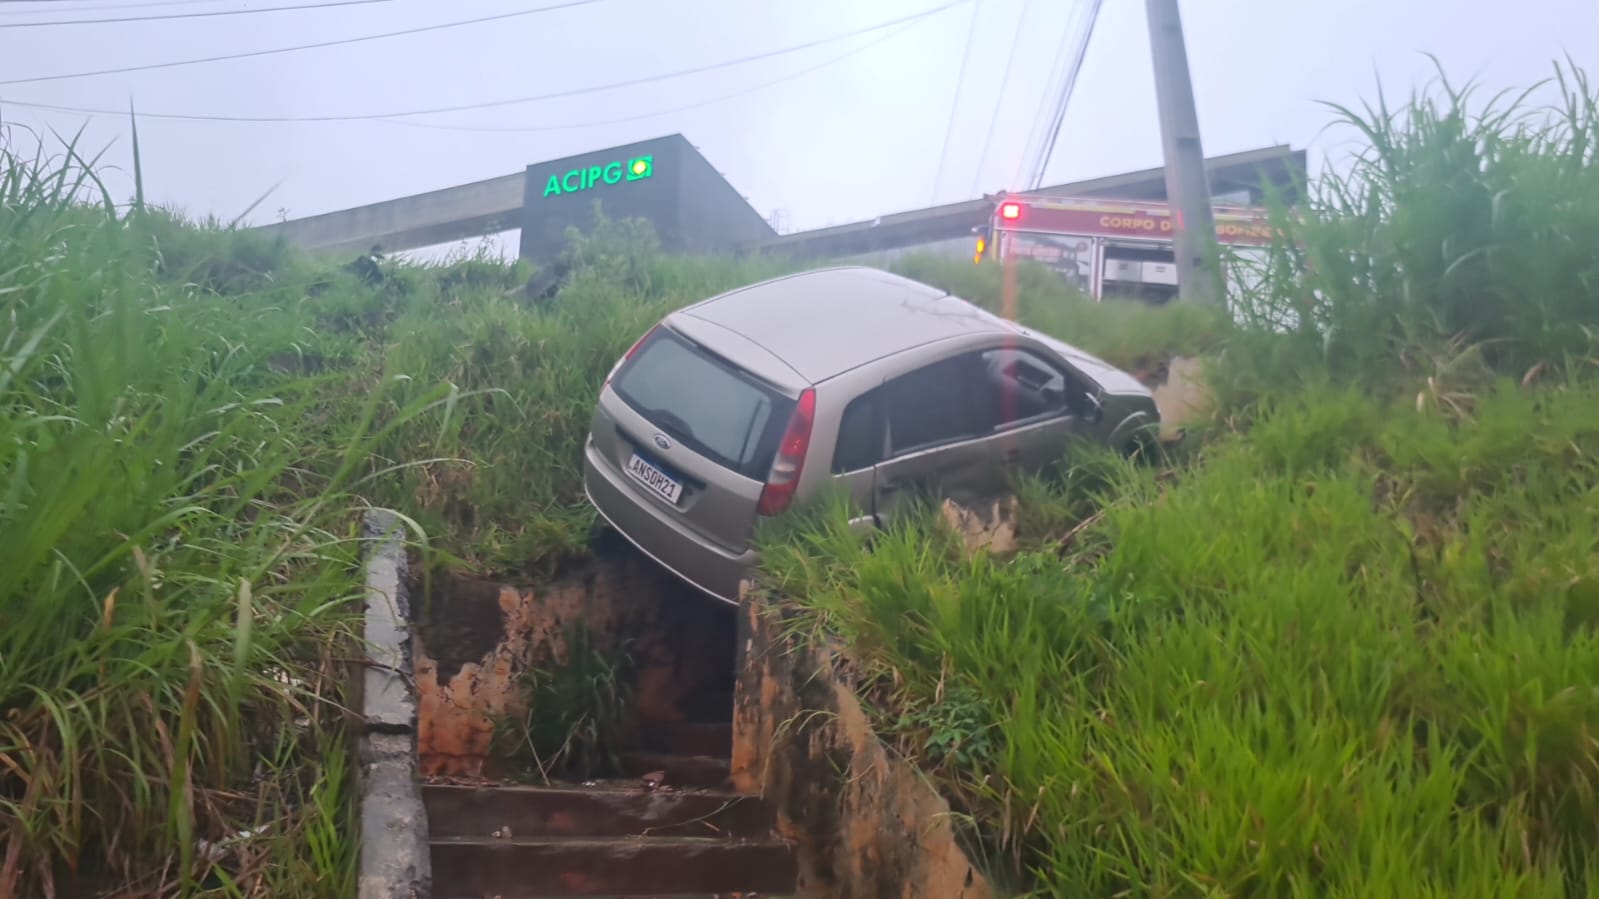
(1010, 212)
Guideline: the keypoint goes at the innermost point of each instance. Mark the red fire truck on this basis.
(1107, 248)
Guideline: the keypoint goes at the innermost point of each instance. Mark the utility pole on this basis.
(1187, 188)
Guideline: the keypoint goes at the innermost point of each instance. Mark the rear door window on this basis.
(936, 405)
(707, 403)
(860, 435)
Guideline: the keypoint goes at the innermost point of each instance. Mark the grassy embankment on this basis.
(1351, 646)
(1346, 649)
(193, 419)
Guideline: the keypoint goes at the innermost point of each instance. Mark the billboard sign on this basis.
(639, 168)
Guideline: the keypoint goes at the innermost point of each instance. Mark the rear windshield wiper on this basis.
(670, 422)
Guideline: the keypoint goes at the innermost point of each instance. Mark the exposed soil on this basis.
(476, 639)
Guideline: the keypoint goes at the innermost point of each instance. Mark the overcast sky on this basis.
(845, 130)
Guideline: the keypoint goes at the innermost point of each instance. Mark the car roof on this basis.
(824, 322)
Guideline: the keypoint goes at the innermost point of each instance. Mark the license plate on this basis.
(655, 479)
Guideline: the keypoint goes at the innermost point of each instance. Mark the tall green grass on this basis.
(1464, 221)
(1351, 646)
(1363, 668)
(178, 558)
(1132, 335)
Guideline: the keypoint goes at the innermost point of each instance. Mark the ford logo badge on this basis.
(662, 442)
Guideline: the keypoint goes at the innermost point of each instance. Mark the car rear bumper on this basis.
(704, 565)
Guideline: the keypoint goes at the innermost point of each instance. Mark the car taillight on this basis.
(629, 354)
(790, 461)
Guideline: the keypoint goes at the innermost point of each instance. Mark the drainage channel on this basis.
(573, 738)
(612, 733)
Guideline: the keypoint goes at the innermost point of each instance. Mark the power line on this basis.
(1038, 133)
(993, 120)
(660, 112)
(250, 54)
(102, 7)
(955, 102)
(1059, 66)
(47, 7)
(326, 4)
(1079, 54)
(513, 101)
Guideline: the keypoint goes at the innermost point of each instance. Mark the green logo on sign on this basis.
(639, 168)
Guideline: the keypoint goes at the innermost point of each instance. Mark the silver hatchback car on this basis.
(735, 407)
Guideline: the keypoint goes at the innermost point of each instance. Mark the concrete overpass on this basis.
(665, 180)
(423, 220)
(1236, 178)
(695, 209)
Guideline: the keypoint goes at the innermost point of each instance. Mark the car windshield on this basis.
(705, 402)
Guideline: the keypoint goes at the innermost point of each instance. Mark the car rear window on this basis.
(705, 402)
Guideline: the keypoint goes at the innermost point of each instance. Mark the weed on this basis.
(1125, 333)
(1460, 223)
(575, 713)
(172, 605)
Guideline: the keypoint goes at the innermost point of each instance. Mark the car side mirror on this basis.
(1093, 409)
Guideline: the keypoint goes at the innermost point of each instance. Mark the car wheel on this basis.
(1142, 448)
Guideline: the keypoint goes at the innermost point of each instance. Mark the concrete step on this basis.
(625, 866)
(593, 812)
(713, 739)
(695, 772)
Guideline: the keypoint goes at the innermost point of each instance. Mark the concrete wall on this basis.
(864, 824)
(714, 217)
(475, 639)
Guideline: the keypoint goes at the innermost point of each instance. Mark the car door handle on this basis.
(1013, 454)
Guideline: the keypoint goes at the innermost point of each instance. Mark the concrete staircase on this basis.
(671, 827)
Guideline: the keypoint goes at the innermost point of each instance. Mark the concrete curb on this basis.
(394, 861)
